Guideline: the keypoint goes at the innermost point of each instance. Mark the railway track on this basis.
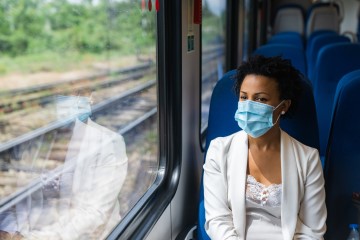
(138, 102)
(125, 112)
(12, 125)
(97, 109)
(40, 95)
(18, 99)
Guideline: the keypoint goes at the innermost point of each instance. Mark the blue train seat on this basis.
(223, 104)
(291, 38)
(333, 62)
(303, 126)
(294, 54)
(315, 34)
(319, 42)
(342, 164)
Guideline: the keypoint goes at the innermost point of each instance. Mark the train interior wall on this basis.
(183, 208)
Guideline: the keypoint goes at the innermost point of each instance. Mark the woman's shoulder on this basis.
(223, 145)
(227, 140)
(299, 146)
(220, 148)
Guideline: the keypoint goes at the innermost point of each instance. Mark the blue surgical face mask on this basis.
(73, 106)
(255, 118)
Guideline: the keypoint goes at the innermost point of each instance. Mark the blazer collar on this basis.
(290, 186)
(237, 165)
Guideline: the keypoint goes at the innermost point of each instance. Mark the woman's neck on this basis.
(270, 140)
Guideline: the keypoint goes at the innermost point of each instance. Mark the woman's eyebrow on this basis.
(258, 93)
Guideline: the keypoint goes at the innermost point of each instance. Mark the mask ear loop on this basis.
(282, 112)
(279, 104)
(277, 120)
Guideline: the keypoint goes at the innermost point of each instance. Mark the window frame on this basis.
(231, 53)
(143, 216)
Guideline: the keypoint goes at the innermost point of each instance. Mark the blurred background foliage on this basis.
(34, 26)
(58, 35)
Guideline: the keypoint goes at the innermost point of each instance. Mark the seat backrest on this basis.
(323, 16)
(342, 164)
(221, 122)
(315, 34)
(333, 62)
(223, 105)
(303, 125)
(291, 38)
(317, 44)
(289, 18)
(295, 54)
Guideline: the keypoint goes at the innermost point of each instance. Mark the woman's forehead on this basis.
(258, 83)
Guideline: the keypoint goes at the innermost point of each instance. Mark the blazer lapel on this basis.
(290, 187)
(236, 175)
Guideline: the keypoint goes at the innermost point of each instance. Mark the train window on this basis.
(78, 115)
(213, 51)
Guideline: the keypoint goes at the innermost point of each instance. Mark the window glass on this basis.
(78, 122)
(213, 51)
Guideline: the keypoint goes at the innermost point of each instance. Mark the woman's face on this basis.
(260, 89)
(264, 90)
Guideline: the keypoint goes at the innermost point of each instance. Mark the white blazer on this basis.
(87, 204)
(303, 210)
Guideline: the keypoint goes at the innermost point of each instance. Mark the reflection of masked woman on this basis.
(94, 171)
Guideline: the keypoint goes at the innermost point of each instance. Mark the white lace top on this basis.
(260, 194)
(263, 210)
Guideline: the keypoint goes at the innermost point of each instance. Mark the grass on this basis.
(55, 61)
(47, 61)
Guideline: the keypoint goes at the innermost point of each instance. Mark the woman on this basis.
(260, 183)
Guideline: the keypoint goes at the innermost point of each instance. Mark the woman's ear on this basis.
(286, 105)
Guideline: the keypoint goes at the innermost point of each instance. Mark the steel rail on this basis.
(43, 87)
(61, 123)
(43, 100)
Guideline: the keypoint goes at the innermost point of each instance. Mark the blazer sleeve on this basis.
(312, 214)
(219, 222)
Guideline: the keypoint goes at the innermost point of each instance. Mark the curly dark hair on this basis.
(288, 78)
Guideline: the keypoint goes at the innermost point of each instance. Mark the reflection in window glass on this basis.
(78, 122)
(213, 51)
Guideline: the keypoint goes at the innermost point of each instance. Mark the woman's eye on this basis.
(261, 99)
(243, 97)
